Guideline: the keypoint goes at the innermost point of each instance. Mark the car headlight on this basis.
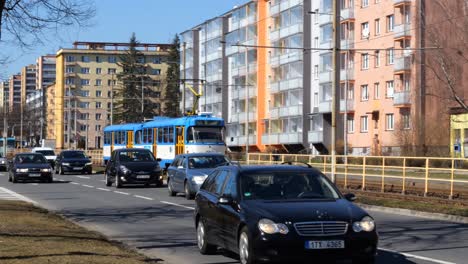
(124, 169)
(198, 179)
(269, 227)
(46, 170)
(2, 161)
(21, 170)
(89, 163)
(66, 164)
(367, 224)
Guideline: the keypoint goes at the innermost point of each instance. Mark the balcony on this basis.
(290, 138)
(325, 77)
(241, 93)
(347, 14)
(283, 32)
(347, 44)
(242, 140)
(274, 9)
(402, 31)
(285, 85)
(402, 99)
(348, 107)
(284, 111)
(398, 3)
(315, 136)
(325, 107)
(325, 19)
(326, 45)
(270, 139)
(347, 75)
(241, 117)
(289, 57)
(402, 64)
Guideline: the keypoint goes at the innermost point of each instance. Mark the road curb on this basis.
(408, 212)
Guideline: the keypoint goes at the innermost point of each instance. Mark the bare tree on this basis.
(26, 20)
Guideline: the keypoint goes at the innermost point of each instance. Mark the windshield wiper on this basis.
(310, 194)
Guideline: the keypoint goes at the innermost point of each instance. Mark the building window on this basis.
(156, 71)
(98, 70)
(364, 61)
(365, 30)
(390, 56)
(84, 93)
(84, 104)
(98, 127)
(390, 89)
(157, 60)
(376, 91)
(111, 71)
(364, 93)
(70, 81)
(70, 58)
(377, 58)
(98, 116)
(109, 105)
(70, 70)
(98, 82)
(389, 121)
(112, 59)
(141, 60)
(98, 105)
(157, 94)
(98, 59)
(111, 82)
(84, 58)
(364, 125)
(84, 116)
(85, 70)
(83, 127)
(156, 83)
(350, 124)
(390, 23)
(108, 117)
(405, 120)
(377, 27)
(98, 93)
(364, 3)
(84, 82)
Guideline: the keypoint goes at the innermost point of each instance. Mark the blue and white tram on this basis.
(168, 137)
(118, 137)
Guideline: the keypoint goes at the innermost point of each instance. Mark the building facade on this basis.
(86, 79)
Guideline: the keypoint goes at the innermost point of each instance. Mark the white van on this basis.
(48, 153)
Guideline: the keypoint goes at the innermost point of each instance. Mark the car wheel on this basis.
(118, 184)
(246, 255)
(364, 260)
(202, 242)
(9, 178)
(169, 188)
(50, 180)
(188, 193)
(108, 182)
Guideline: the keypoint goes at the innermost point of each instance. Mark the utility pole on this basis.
(112, 101)
(75, 124)
(5, 131)
(246, 104)
(21, 125)
(184, 75)
(335, 81)
(142, 98)
(69, 118)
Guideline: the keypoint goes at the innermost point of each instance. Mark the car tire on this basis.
(364, 260)
(188, 193)
(118, 184)
(203, 246)
(50, 180)
(169, 188)
(9, 178)
(246, 255)
(108, 182)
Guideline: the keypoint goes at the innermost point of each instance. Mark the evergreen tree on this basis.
(131, 79)
(172, 95)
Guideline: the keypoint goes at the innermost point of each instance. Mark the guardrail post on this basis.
(271, 158)
(403, 190)
(426, 181)
(259, 158)
(364, 173)
(451, 179)
(282, 158)
(383, 175)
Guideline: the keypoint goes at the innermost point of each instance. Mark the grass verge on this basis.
(420, 205)
(32, 235)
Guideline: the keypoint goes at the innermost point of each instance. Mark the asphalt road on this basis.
(161, 227)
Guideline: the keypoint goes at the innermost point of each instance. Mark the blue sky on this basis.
(154, 21)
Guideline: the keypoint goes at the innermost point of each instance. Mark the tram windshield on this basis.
(205, 135)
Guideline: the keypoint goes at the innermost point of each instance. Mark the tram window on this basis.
(150, 135)
(160, 135)
(138, 137)
(116, 137)
(171, 135)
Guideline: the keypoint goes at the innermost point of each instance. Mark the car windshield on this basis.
(205, 135)
(30, 158)
(135, 156)
(203, 162)
(46, 152)
(287, 185)
(74, 155)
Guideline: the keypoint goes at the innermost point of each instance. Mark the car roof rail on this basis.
(297, 162)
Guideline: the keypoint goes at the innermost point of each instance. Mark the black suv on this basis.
(73, 161)
(133, 166)
(281, 212)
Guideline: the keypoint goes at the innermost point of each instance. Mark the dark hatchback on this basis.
(133, 166)
(73, 161)
(30, 167)
(281, 213)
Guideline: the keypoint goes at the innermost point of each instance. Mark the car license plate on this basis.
(143, 176)
(34, 175)
(77, 168)
(324, 244)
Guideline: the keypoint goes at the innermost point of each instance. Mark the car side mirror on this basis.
(158, 159)
(89, 157)
(350, 197)
(225, 200)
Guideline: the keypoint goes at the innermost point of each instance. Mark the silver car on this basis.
(188, 172)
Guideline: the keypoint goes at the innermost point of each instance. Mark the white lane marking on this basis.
(179, 205)
(35, 184)
(75, 183)
(89, 186)
(83, 177)
(102, 189)
(17, 195)
(122, 192)
(143, 197)
(417, 257)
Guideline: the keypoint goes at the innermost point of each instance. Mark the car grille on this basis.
(34, 170)
(77, 164)
(321, 228)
